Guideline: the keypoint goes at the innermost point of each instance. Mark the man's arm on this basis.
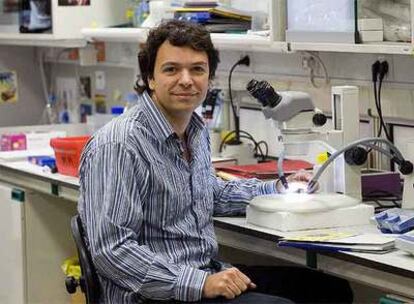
(111, 209)
(231, 197)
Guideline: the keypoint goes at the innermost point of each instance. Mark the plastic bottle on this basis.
(117, 110)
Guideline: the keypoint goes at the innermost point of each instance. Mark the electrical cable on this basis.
(375, 71)
(379, 70)
(377, 107)
(312, 70)
(236, 117)
(244, 134)
(266, 146)
(246, 61)
(379, 149)
(237, 132)
(387, 135)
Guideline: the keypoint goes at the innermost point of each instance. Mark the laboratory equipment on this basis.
(377, 183)
(401, 220)
(405, 242)
(303, 137)
(395, 220)
(235, 147)
(408, 194)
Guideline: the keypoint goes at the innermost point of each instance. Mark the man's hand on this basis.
(228, 283)
(301, 176)
(299, 179)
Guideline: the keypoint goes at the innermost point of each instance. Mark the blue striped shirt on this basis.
(148, 212)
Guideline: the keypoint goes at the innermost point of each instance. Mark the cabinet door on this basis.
(48, 243)
(12, 282)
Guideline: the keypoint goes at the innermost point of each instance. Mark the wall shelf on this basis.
(221, 41)
(107, 64)
(369, 48)
(44, 40)
(256, 43)
(66, 23)
(131, 35)
(248, 43)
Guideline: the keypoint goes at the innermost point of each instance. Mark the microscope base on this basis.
(291, 221)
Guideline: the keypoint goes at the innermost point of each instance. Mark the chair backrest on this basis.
(89, 281)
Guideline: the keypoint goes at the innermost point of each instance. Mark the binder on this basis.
(219, 11)
(365, 242)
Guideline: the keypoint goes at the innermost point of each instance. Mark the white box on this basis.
(370, 24)
(67, 21)
(371, 36)
(88, 56)
(41, 140)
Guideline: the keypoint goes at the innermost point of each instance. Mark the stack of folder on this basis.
(337, 241)
(217, 19)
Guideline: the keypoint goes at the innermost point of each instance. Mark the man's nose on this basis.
(185, 78)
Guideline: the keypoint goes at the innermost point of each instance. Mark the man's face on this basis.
(180, 80)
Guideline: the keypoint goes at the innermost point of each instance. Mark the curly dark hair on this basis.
(178, 33)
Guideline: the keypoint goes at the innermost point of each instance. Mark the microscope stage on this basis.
(295, 211)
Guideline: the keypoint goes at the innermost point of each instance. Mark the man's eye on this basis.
(199, 69)
(169, 69)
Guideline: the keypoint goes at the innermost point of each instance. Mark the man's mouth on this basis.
(184, 94)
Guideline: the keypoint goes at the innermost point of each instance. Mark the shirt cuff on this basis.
(269, 187)
(190, 283)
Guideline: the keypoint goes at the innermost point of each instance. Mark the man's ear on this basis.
(151, 84)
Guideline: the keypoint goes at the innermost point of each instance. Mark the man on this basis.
(148, 190)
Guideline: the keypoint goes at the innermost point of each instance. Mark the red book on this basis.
(267, 170)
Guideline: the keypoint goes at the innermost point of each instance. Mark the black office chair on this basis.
(88, 281)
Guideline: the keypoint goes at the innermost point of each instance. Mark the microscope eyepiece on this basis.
(264, 93)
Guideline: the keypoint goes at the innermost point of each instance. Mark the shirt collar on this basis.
(161, 127)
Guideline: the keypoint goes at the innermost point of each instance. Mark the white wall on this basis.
(285, 72)
(29, 107)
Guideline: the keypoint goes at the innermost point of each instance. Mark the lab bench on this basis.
(51, 201)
